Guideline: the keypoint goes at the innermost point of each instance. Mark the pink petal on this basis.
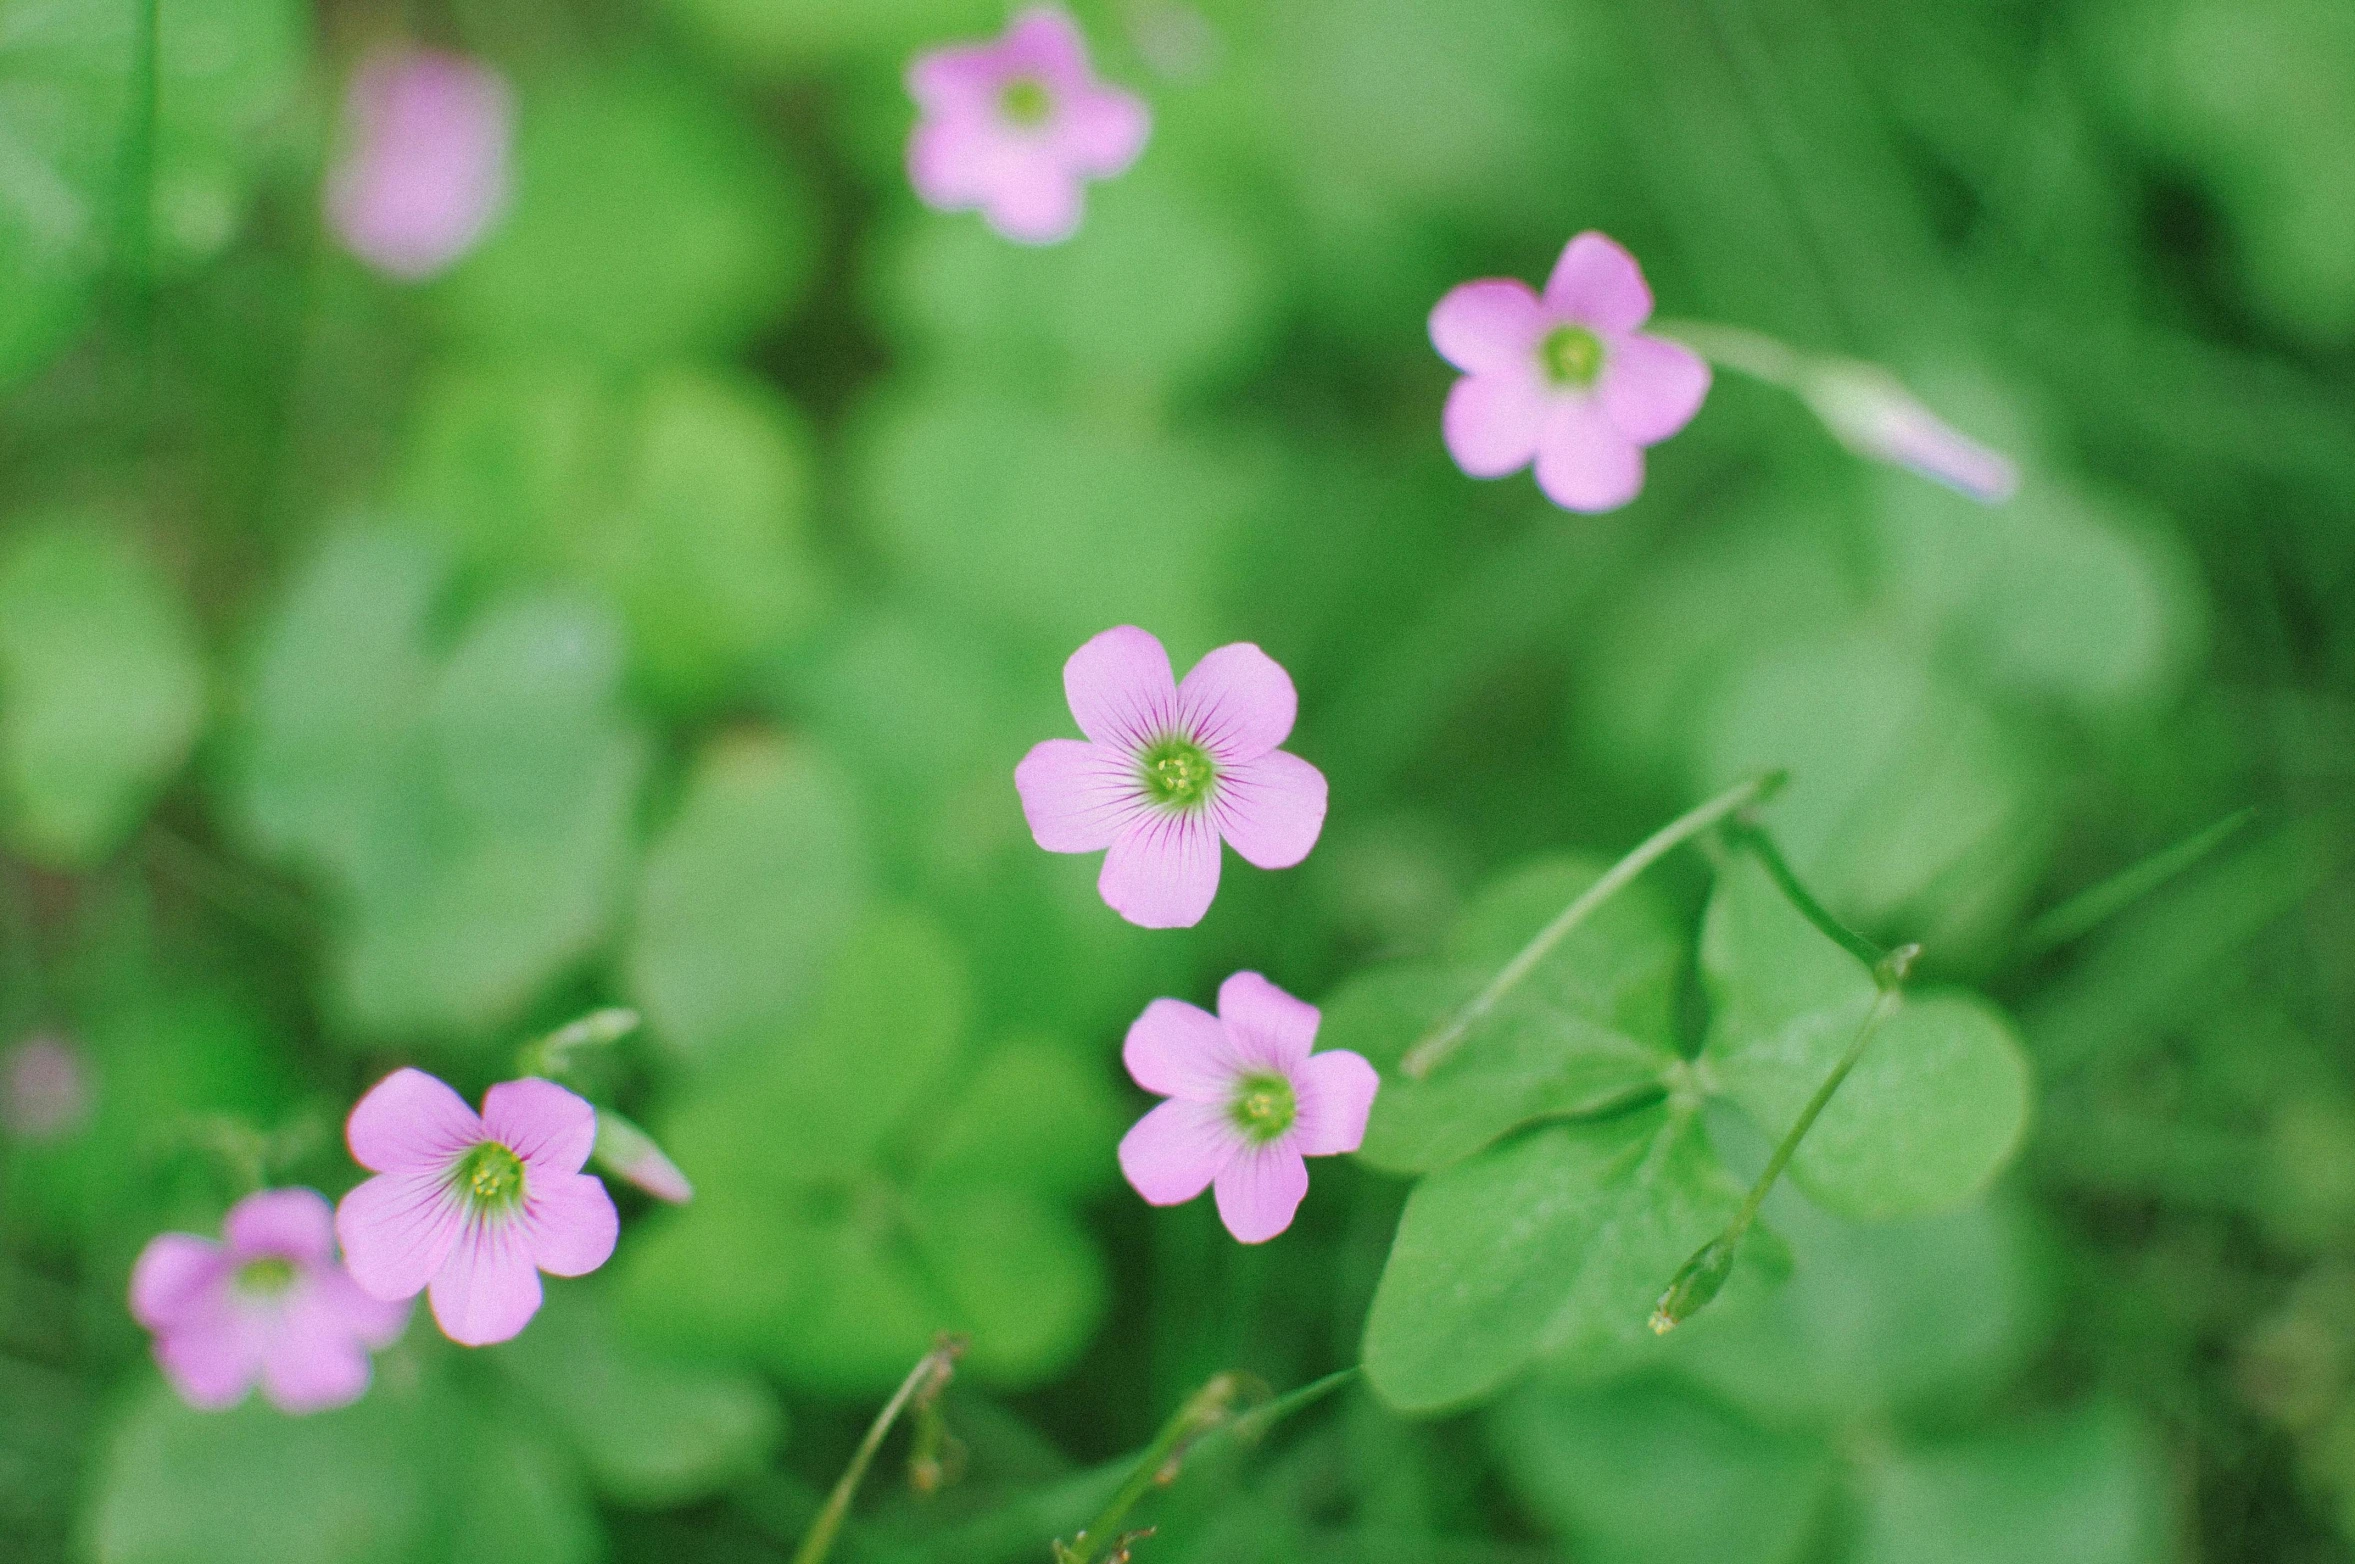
(1652, 387)
(569, 1224)
(1238, 703)
(950, 162)
(410, 1120)
(550, 1128)
(1271, 809)
(397, 1230)
(295, 1223)
(1598, 285)
(310, 1358)
(1045, 41)
(369, 1320)
(965, 80)
(1162, 872)
(1584, 463)
(1260, 1189)
(1099, 131)
(1120, 688)
(1171, 1154)
(1492, 421)
(1493, 324)
(1271, 1029)
(1181, 1050)
(1076, 795)
(1034, 200)
(176, 1274)
(488, 1289)
(425, 170)
(211, 1359)
(1336, 1091)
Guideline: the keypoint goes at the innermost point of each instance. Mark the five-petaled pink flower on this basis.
(423, 172)
(1247, 1102)
(266, 1303)
(1565, 377)
(1017, 127)
(1170, 769)
(473, 1207)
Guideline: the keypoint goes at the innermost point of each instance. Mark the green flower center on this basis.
(1178, 773)
(1026, 101)
(491, 1176)
(1264, 1106)
(1572, 356)
(267, 1277)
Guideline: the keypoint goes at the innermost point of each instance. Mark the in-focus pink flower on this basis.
(1247, 1102)
(1016, 127)
(266, 1303)
(45, 1090)
(423, 170)
(473, 1207)
(1170, 769)
(1565, 378)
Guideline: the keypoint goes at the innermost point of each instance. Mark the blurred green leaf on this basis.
(747, 895)
(785, 35)
(1911, 805)
(231, 74)
(470, 808)
(869, 1191)
(178, 1486)
(652, 1431)
(101, 690)
(2086, 1488)
(65, 107)
(510, 1495)
(1650, 1470)
(1052, 525)
(992, 310)
(1556, 1241)
(649, 218)
(1938, 1102)
(682, 495)
(1591, 1024)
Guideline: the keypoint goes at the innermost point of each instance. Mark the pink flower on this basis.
(1564, 378)
(473, 1207)
(424, 167)
(1168, 770)
(1247, 1102)
(1018, 126)
(268, 1303)
(44, 1090)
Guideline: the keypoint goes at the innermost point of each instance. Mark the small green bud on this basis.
(1698, 1281)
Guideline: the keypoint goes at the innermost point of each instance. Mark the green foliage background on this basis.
(651, 611)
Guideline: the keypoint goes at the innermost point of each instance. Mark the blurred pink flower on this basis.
(423, 169)
(1247, 1102)
(1564, 378)
(1017, 127)
(44, 1090)
(474, 1208)
(1168, 770)
(268, 1303)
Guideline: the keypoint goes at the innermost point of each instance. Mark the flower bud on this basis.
(1878, 419)
(44, 1090)
(1694, 1285)
(630, 1154)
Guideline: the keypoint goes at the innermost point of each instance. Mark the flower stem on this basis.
(1426, 1055)
(924, 1382)
(1700, 1277)
(2089, 909)
(1206, 1412)
(1754, 840)
(1738, 347)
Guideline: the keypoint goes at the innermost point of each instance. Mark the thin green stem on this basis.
(1738, 347)
(2087, 910)
(1754, 840)
(925, 1381)
(1206, 1414)
(1427, 1055)
(1700, 1277)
